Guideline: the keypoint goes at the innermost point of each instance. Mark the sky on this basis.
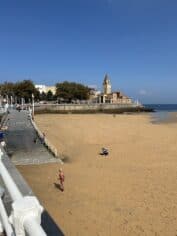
(133, 41)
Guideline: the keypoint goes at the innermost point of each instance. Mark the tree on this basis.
(25, 89)
(7, 89)
(43, 96)
(72, 91)
(49, 95)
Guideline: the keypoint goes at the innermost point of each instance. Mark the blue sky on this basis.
(134, 41)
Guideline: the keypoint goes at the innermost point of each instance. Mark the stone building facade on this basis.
(107, 96)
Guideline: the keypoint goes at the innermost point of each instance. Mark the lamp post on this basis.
(32, 105)
(22, 103)
(7, 99)
(11, 101)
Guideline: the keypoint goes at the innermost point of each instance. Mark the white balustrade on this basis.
(26, 211)
(5, 224)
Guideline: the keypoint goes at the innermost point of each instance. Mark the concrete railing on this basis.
(4, 118)
(4, 220)
(26, 210)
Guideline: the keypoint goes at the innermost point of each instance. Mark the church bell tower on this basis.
(106, 85)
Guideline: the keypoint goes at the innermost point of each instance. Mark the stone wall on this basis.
(88, 108)
(80, 107)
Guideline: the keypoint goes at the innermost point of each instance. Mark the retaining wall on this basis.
(89, 108)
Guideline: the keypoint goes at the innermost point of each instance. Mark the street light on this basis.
(32, 105)
(11, 101)
(22, 103)
(7, 99)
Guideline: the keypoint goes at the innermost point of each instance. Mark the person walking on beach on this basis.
(61, 178)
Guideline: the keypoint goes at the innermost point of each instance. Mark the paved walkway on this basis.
(20, 137)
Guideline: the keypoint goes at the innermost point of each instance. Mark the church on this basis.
(107, 96)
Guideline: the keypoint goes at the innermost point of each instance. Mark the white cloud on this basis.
(143, 92)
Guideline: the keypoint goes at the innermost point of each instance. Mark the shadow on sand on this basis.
(58, 186)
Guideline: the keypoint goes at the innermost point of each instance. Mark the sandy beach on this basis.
(133, 191)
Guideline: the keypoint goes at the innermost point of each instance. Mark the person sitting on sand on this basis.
(104, 151)
(61, 178)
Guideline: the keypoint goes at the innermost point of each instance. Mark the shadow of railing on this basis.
(49, 226)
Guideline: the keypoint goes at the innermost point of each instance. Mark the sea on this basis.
(162, 111)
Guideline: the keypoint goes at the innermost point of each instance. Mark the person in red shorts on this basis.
(61, 178)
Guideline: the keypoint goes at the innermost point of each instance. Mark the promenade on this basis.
(20, 136)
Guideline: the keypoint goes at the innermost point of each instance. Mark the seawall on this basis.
(89, 108)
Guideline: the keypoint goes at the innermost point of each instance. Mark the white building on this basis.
(43, 88)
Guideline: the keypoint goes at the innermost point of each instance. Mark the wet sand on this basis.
(164, 117)
(132, 192)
